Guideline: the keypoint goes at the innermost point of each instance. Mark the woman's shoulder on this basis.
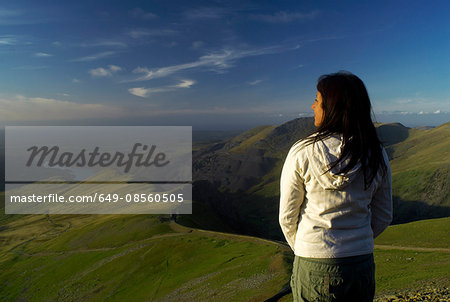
(302, 145)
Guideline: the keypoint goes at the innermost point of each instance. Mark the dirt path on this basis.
(180, 228)
(412, 248)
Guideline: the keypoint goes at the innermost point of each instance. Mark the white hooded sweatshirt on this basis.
(326, 215)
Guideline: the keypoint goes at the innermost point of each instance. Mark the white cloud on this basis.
(100, 72)
(114, 68)
(285, 17)
(94, 57)
(42, 55)
(145, 92)
(185, 84)
(8, 40)
(139, 91)
(437, 111)
(105, 72)
(217, 61)
(255, 82)
(75, 80)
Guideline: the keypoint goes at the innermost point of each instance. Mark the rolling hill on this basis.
(240, 176)
(133, 258)
(152, 258)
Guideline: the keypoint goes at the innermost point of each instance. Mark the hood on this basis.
(321, 155)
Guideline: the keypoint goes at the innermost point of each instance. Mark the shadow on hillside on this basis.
(408, 211)
(390, 134)
(232, 212)
(240, 213)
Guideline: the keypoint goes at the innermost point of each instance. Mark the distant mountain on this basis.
(238, 179)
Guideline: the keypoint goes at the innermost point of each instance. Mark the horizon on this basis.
(217, 127)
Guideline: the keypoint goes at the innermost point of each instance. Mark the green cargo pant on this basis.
(333, 279)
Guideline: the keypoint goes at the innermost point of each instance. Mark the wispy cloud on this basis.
(94, 57)
(8, 40)
(5, 13)
(32, 67)
(105, 72)
(217, 61)
(437, 111)
(105, 43)
(139, 13)
(285, 17)
(42, 55)
(75, 80)
(185, 84)
(197, 44)
(255, 82)
(143, 32)
(146, 92)
(11, 17)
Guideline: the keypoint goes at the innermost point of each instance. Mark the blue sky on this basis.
(218, 64)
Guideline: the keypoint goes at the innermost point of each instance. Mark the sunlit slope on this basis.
(243, 175)
(430, 233)
(413, 254)
(133, 258)
(421, 173)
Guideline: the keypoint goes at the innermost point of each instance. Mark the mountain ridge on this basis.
(248, 180)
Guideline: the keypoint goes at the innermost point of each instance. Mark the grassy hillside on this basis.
(149, 258)
(246, 169)
(421, 164)
(421, 174)
(133, 258)
(411, 254)
(431, 233)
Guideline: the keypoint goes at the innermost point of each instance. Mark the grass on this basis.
(432, 233)
(136, 258)
(251, 137)
(397, 269)
(140, 257)
(143, 257)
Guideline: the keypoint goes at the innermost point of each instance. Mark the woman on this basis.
(335, 196)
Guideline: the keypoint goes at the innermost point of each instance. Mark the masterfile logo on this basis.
(95, 158)
(98, 170)
(131, 153)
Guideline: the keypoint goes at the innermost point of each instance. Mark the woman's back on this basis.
(335, 196)
(335, 215)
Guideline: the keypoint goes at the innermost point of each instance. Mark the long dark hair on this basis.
(347, 111)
